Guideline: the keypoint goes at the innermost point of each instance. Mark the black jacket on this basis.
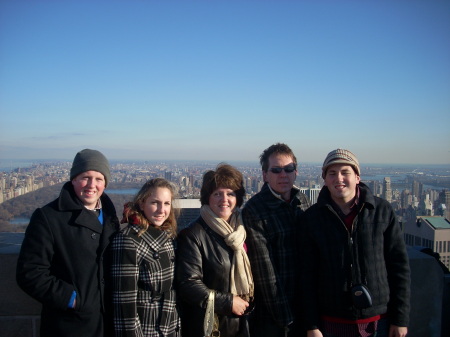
(65, 249)
(204, 263)
(379, 260)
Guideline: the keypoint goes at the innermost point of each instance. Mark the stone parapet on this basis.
(430, 295)
(19, 313)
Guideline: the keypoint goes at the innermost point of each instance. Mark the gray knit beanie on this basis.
(90, 160)
(340, 156)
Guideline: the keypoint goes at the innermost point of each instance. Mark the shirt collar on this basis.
(278, 196)
(97, 207)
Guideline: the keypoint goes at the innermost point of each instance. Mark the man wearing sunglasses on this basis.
(270, 218)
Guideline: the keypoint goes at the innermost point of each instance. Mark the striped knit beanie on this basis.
(340, 156)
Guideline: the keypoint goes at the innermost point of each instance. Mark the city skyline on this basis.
(392, 183)
(221, 81)
(9, 165)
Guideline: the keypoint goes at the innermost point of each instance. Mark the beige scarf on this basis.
(234, 235)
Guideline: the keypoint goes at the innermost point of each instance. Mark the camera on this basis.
(361, 296)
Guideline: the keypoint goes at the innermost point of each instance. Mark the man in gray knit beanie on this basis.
(90, 160)
(62, 262)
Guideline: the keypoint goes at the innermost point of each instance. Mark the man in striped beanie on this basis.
(355, 276)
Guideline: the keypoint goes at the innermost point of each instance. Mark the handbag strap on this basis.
(208, 323)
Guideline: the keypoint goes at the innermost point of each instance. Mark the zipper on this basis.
(349, 235)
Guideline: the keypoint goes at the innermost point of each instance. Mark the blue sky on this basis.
(222, 80)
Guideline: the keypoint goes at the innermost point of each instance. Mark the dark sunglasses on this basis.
(287, 169)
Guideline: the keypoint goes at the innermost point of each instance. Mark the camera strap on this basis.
(357, 270)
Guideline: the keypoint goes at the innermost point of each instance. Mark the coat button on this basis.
(156, 255)
(93, 236)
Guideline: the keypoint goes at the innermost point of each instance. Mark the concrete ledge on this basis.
(20, 315)
(430, 295)
(13, 300)
(427, 289)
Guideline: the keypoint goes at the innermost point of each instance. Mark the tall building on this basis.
(387, 191)
(431, 232)
(442, 204)
(248, 184)
(14, 181)
(405, 199)
(417, 188)
(373, 186)
(2, 182)
(29, 183)
(426, 205)
(447, 204)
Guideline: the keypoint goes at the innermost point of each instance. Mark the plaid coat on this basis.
(142, 273)
(271, 226)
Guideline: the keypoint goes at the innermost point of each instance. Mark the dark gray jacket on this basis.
(379, 260)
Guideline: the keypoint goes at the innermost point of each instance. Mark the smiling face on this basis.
(156, 207)
(281, 182)
(88, 187)
(222, 202)
(341, 181)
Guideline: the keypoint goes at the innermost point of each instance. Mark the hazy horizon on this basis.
(16, 163)
(223, 80)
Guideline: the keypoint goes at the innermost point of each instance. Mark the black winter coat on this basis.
(65, 249)
(379, 260)
(204, 263)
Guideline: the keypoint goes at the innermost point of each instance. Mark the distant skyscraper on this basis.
(387, 191)
(405, 199)
(168, 175)
(14, 182)
(29, 182)
(426, 206)
(417, 188)
(373, 185)
(447, 205)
